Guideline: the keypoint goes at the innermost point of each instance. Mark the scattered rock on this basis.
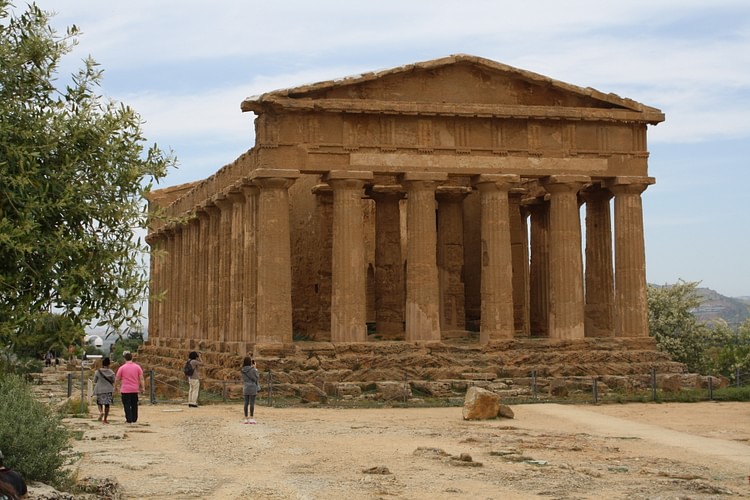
(505, 412)
(480, 404)
(378, 469)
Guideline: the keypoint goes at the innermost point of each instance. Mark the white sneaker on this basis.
(246, 421)
(251, 421)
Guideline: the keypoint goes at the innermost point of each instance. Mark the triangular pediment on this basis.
(460, 80)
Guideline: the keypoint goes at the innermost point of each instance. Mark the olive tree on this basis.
(74, 169)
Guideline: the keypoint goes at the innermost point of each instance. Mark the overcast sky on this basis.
(186, 66)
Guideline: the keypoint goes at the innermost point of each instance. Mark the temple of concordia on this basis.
(430, 208)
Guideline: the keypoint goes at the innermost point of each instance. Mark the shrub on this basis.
(32, 436)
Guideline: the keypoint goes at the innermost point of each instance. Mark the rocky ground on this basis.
(633, 451)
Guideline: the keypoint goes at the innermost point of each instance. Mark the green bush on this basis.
(32, 436)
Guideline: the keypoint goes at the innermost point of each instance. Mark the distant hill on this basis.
(733, 310)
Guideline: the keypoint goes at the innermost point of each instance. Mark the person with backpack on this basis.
(192, 371)
(104, 387)
(250, 386)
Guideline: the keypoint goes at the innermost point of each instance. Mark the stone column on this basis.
(566, 316)
(324, 223)
(497, 257)
(539, 267)
(348, 301)
(450, 258)
(186, 278)
(175, 281)
(519, 243)
(154, 287)
(212, 271)
(237, 265)
(225, 264)
(250, 267)
(599, 310)
(631, 305)
(389, 264)
(202, 302)
(274, 298)
(422, 285)
(194, 331)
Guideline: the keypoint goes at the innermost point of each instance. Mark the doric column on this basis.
(225, 263)
(422, 286)
(250, 266)
(193, 327)
(599, 310)
(237, 265)
(389, 264)
(348, 301)
(201, 283)
(497, 257)
(631, 305)
(323, 282)
(450, 257)
(274, 298)
(538, 209)
(212, 271)
(155, 242)
(519, 243)
(565, 260)
(175, 281)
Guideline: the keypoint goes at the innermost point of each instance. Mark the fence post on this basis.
(653, 384)
(710, 388)
(737, 376)
(269, 388)
(151, 388)
(224, 391)
(533, 384)
(596, 392)
(70, 384)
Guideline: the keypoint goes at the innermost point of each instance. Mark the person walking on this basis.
(104, 386)
(194, 360)
(129, 377)
(12, 480)
(250, 379)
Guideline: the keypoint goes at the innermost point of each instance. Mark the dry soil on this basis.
(633, 451)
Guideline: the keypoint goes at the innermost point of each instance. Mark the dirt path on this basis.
(699, 450)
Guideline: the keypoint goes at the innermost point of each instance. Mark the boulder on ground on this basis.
(480, 404)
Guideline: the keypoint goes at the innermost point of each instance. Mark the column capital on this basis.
(505, 182)
(222, 201)
(361, 175)
(629, 184)
(595, 192)
(564, 183)
(414, 178)
(273, 177)
(452, 192)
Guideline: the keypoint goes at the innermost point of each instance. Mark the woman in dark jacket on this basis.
(250, 378)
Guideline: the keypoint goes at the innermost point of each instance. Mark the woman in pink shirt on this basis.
(129, 377)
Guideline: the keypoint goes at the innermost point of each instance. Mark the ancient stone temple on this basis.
(439, 200)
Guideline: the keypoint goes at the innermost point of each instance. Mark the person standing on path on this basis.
(130, 379)
(194, 379)
(104, 386)
(250, 378)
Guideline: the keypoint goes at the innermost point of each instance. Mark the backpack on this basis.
(188, 368)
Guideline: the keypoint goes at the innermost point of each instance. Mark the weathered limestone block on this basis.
(393, 391)
(309, 393)
(505, 412)
(440, 389)
(343, 389)
(480, 404)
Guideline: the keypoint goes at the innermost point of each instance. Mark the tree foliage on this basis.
(74, 169)
(708, 348)
(673, 325)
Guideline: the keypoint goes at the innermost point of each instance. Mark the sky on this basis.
(185, 66)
